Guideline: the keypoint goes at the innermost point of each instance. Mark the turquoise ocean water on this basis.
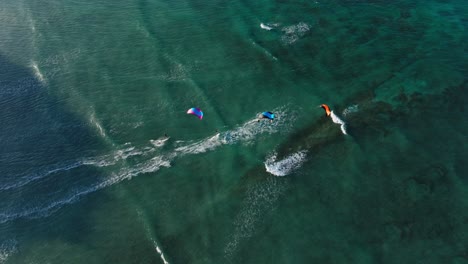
(88, 89)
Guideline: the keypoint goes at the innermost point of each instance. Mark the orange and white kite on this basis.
(334, 118)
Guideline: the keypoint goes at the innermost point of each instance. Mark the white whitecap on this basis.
(124, 174)
(260, 199)
(351, 109)
(201, 146)
(93, 120)
(294, 32)
(161, 254)
(337, 120)
(7, 248)
(98, 161)
(159, 142)
(265, 26)
(285, 166)
(37, 72)
(244, 133)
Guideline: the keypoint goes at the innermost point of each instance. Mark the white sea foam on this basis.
(294, 32)
(351, 109)
(25, 179)
(37, 72)
(159, 142)
(269, 26)
(46, 69)
(125, 174)
(99, 161)
(123, 154)
(260, 199)
(337, 120)
(265, 26)
(249, 130)
(243, 133)
(200, 146)
(93, 120)
(7, 248)
(285, 166)
(161, 254)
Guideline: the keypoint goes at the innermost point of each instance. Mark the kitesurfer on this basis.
(334, 118)
(266, 115)
(327, 109)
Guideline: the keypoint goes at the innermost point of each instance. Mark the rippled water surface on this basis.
(99, 162)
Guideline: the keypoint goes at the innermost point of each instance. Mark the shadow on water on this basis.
(38, 132)
(421, 205)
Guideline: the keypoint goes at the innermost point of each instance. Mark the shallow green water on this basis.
(88, 90)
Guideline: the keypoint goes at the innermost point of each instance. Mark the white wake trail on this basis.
(159, 142)
(260, 200)
(265, 26)
(247, 132)
(285, 166)
(7, 248)
(100, 161)
(152, 165)
(337, 120)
